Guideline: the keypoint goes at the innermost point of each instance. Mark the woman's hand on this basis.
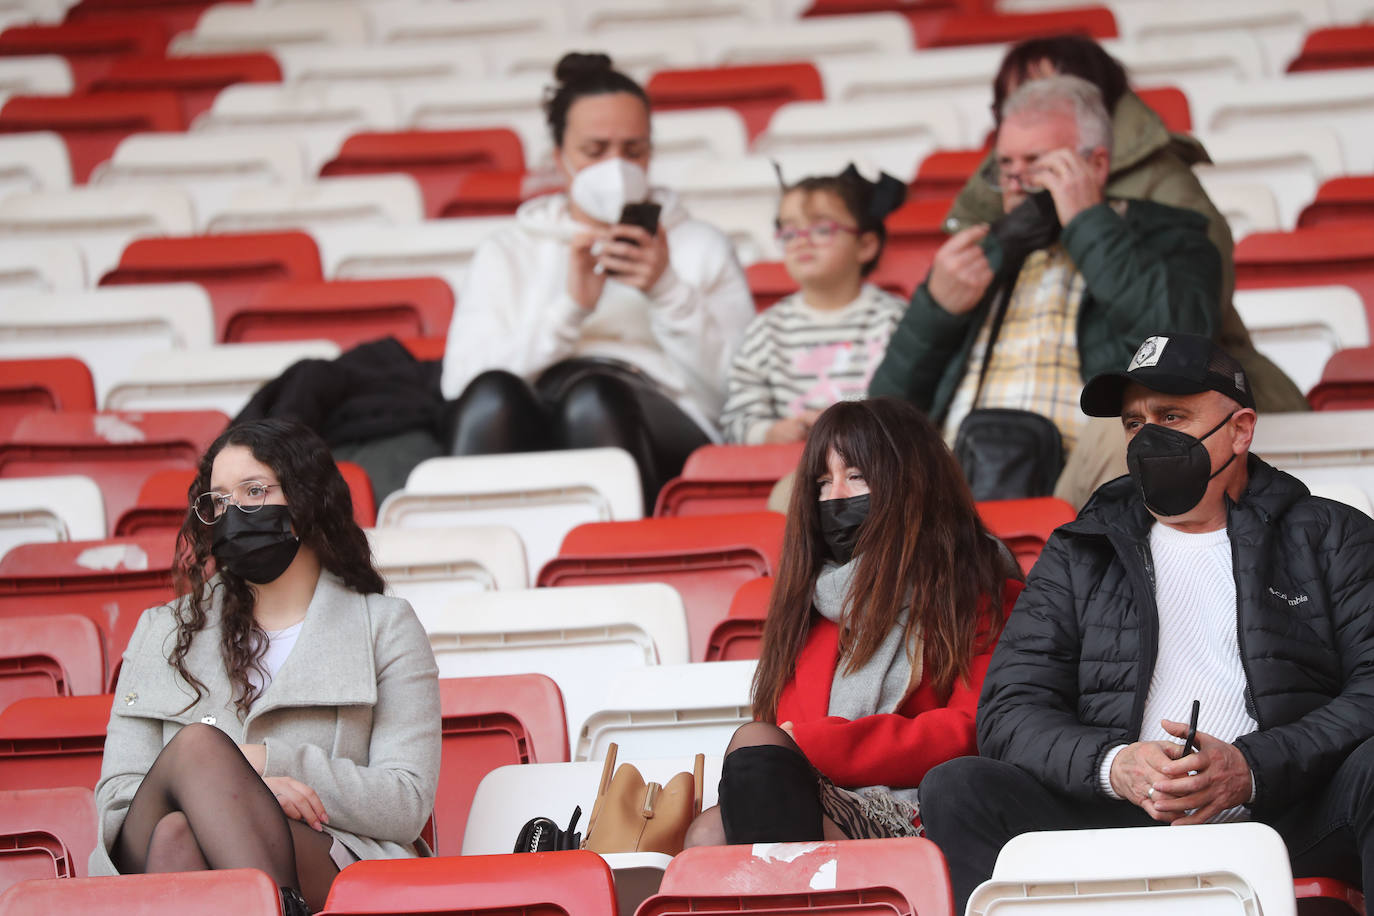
(298, 801)
(636, 258)
(256, 755)
(585, 282)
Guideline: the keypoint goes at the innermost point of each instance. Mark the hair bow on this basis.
(884, 195)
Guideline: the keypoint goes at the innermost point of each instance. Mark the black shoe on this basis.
(292, 903)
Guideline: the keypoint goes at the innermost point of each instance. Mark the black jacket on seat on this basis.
(1069, 676)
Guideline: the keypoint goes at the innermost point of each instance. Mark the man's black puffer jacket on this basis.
(1069, 676)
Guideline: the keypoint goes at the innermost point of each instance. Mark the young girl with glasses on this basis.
(821, 344)
(282, 714)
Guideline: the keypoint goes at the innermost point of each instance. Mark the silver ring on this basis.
(1150, 792)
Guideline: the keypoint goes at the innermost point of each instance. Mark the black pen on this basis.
(1190, 742)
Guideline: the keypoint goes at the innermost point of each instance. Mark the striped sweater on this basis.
(796, 358)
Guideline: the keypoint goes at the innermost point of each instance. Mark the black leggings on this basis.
(577, 403)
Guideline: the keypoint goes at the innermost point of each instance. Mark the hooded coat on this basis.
(514, 311)
(1149, 163)
(1069, 677)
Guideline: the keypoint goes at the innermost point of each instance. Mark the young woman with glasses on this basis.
(282, 714)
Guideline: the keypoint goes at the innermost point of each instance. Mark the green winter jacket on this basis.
(1151, 271)
(1149, 163)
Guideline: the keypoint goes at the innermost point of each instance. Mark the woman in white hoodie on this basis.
(575, 331)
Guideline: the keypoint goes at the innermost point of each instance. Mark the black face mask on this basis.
(1171, 468)
(1031, 225)
(840, 523)
(257, 546)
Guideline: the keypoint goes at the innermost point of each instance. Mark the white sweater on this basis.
(514, 311)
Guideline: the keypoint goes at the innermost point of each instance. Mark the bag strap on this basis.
(698, 780)
(999, 313)
(607, 770)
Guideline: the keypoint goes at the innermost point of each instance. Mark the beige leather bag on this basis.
(633, 816)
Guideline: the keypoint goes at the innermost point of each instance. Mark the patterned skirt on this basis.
(873, 813)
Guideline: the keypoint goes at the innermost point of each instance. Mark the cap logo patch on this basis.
(1240, 381)
(1149, 353)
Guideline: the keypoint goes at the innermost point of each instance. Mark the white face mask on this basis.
(602, 190)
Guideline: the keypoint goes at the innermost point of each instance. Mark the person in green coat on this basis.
(1147, 163)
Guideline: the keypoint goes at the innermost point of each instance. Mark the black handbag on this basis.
(542, 834)
(1009, 454)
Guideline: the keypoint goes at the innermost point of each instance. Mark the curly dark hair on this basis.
(321, 511)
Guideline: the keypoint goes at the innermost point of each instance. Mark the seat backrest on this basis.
(727, 478)
(237, 27)
(571, 883)
(427, 567)
(50, 655)
(34, 74)
(196, 80)
(1300, 328)
(508, 796)
(542, 495)
(1343, 199)
(706, 558)
(65, 508)
(53, 265)
(93, 125)
(1334, 48)
(1025, 525)
(368, 200)
(754, 91)
(197, 893)
(45, 383)
(33, 161)
(378, 64)
(348, 312)
(1290, 165)
(983, 28)
(912, 867)
(738, 636)
(440, 247)
(45, 833)
(89, 47)
(490, 722)
(1316, 256)
(862, 36)
(52, 742)
(1321, 447)
(894, 138)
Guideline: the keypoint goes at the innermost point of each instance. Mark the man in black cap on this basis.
(1204, 575)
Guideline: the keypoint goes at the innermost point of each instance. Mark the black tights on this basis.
(203, 806)
(577, 403)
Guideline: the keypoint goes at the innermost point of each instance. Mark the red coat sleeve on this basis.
(897, 749)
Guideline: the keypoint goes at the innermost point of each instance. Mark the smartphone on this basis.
(1190, 742)
(644, 215)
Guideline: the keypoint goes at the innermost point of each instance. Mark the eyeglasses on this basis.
(821, 233)
(999, 181)
(249, 496)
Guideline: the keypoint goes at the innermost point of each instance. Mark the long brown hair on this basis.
(321, 510)
(922, 546)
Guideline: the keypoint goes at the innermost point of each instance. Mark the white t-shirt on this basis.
(279, 646)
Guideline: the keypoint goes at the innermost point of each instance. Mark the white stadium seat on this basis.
(222, 377)
(359, 200)
(1321, 447)
(598, 15)
(34, 509)
(27, 268)
(698, 133)
(34, 161)
(1278, 25)
(636, 52)
(384, 65)
(737, 196)
(1249, 206)
(229, 28)
(475, 21)
(1201, 60)
(663, 710)
(41, 74)
(1292, 164)
(101, 221)
(542, 495)
(428, 567)
(1300, 327)
(581, 639)
(109, 329)
(512, 102)
(438, 247)
(859, 37)
(1346, 493)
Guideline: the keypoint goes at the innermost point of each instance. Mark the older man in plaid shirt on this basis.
(1066, 285)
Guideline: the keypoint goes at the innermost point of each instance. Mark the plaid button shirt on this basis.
(1034, 363)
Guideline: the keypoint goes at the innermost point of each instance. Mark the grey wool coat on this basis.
(353, 713)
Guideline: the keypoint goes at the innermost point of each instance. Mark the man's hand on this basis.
(585, 282)
(638, 262)
(1070, 180)
(1137, 769)
(961, 274)
(1220, 780)
(791, 429)
(298, 801)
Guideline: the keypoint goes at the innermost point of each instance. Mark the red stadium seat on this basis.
(1316, 256)
(172, 15)
(89, 47)
(490, 722)
(116, 449)
(755, 91)
(195, 80)
(915, 231)
(898, 876)
(1336, 48)
(769, 281)
(92, 125)
(436, 159)
(738, 636)
(53, 742)
(348, 312)
(1347, 381)
(493, 193)
(229, 267)
(110, 582)
(719, 479)
(57, 383)
(1327, 897)
(242, 891)
(995, 28)
(162, 501)
(920, 12)
(1348, 199)
(426, 349)
(944, 173)
(572, 883)
(53, 655)
(45, 833)
(705, 557)
(1171, 105)
(1025, 525)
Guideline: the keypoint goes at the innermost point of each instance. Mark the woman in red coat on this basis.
(889, 599)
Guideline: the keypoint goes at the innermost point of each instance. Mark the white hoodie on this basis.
(514, 311)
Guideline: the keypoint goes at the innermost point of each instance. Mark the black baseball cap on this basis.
(1172, 364)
